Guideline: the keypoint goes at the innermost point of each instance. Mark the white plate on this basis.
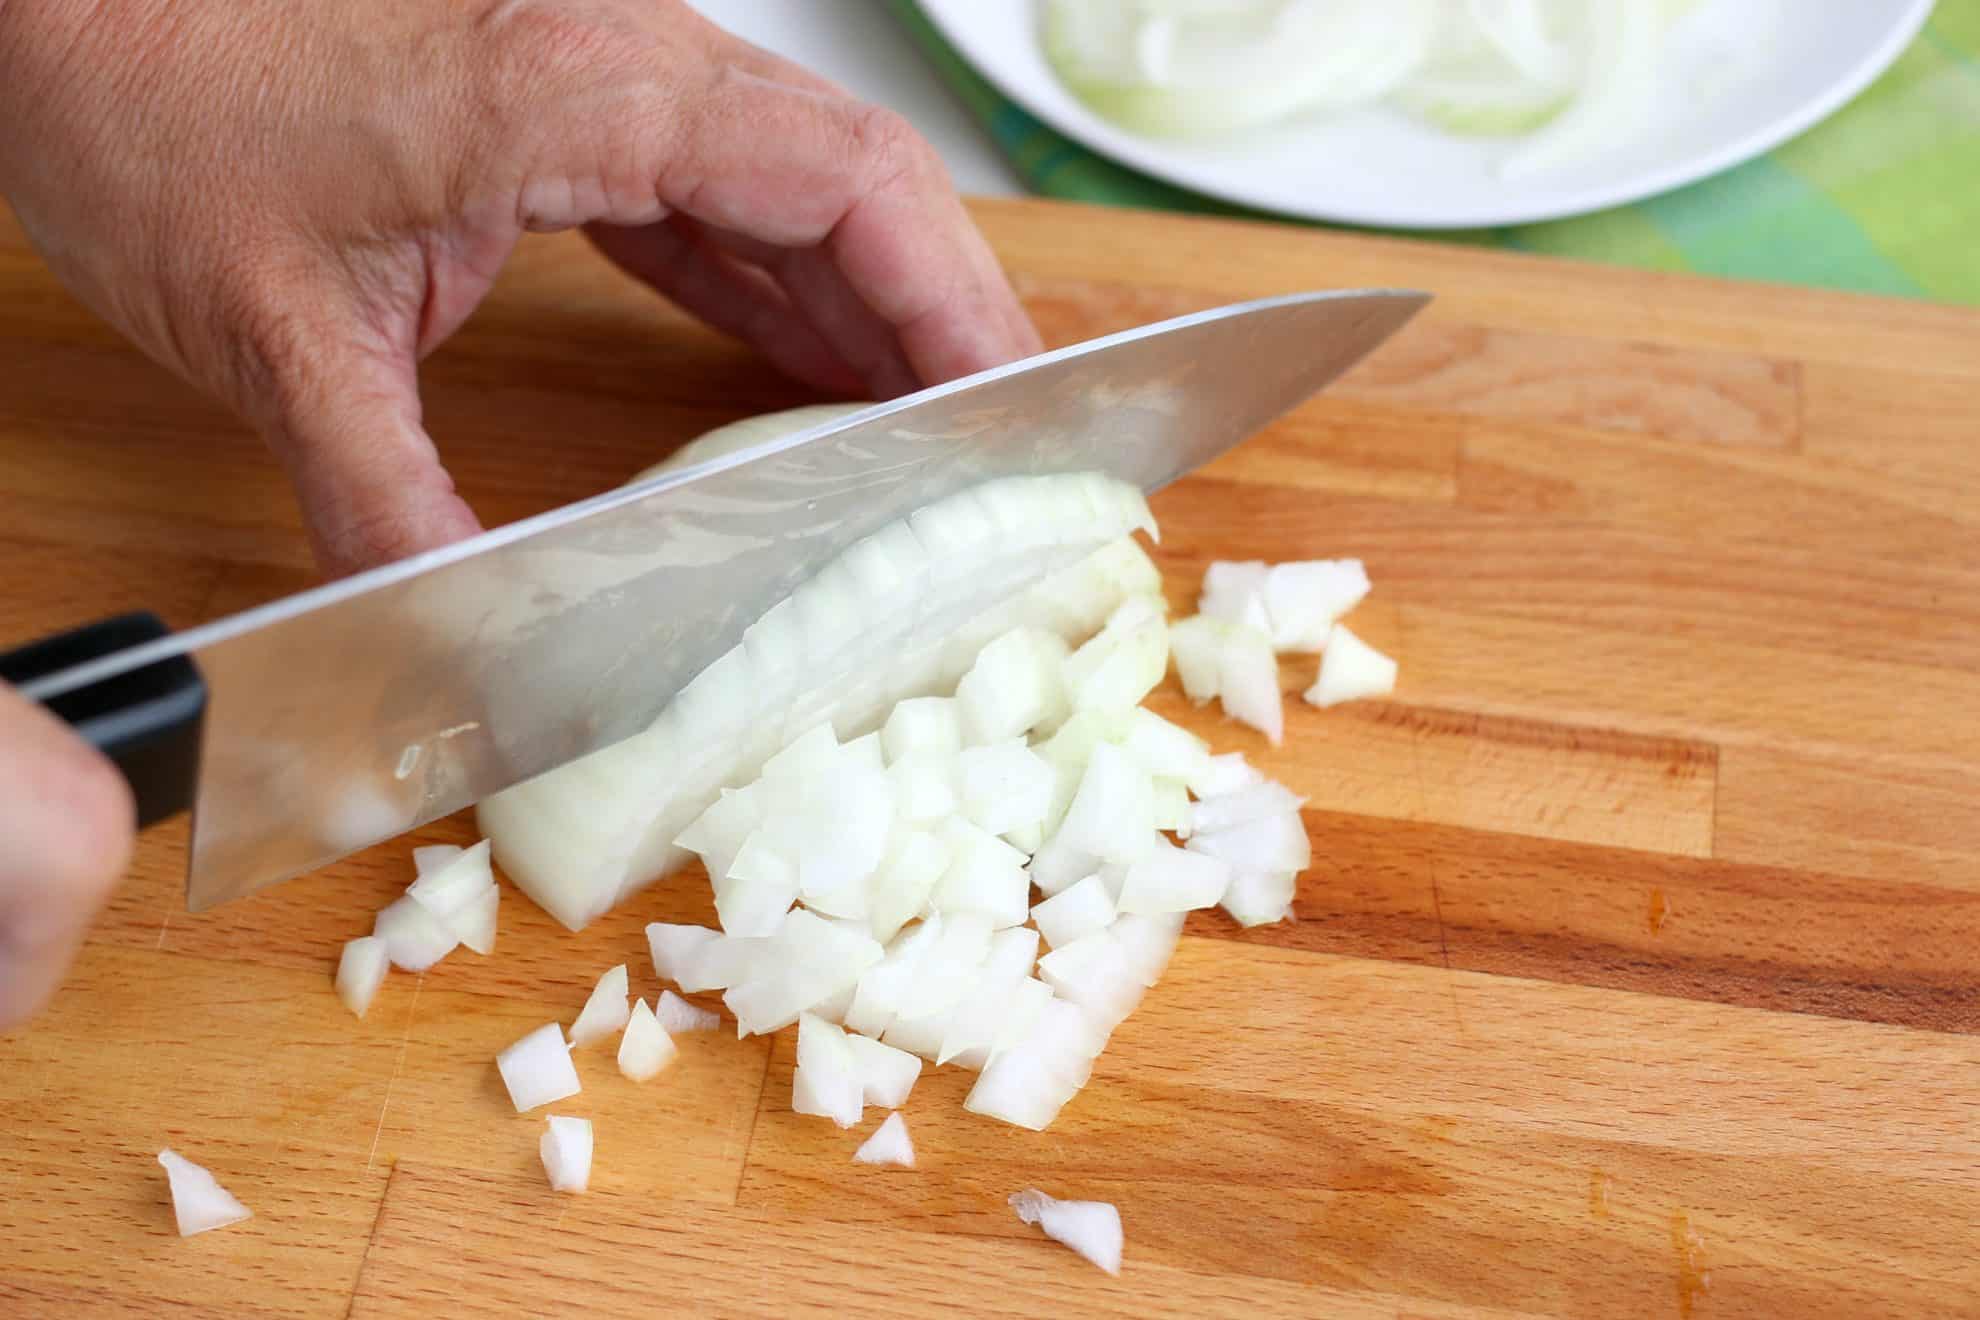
(1740, 77)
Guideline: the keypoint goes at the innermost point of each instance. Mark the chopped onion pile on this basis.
(199, 1202)
(1574, 77)
(453, 900)
(889, 1144)
(566, 1152)
(1091, 1228)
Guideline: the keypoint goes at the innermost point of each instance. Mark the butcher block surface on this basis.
(1637, 973)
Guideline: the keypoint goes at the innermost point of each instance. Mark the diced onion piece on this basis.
(1091, 1228)
(1303, 599)
(809, 961)
(1265, 798)
(725, 961)
(886, 1075)
(474, 922)
(1248, 682)
(978, 1020)
(721, 830)
(1173, 880)
(1235, 593)
(1350, 669)
(537, 1069)
(985, 875)
(1004, 786)
(929, 725)
(1172, 807)
(1095, 973)
(864, 753)
(1074, 912)
(672, 946)
(645, 1048)
(361, 970)
(1059, 864)
(414, 938)
(433, 856)
(759, 887)
(1197, 645)
(1225, 775)
(1017, 1088)
(1259, 898)
(676, 1015)
(1013, 687)
(449, 886)
(1028, 1002)
(1270, 843)
(1148, 940)
(889, 1143)
(827, 1081)
(606, 1012)
(566, 1153)
(915, 863)
(884, 987)
(1124, 661)
(923, 783)
(1165, 750)
(1112, 817)
(199, 1202)
(947, 969)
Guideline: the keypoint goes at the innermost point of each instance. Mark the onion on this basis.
(1220, 811)
(360, 971)
(199, 1202)
(985, 875)
(1350, 669)
(1165, 750)
(808, 961)
(827, 1081)
(1270, 843)
(975, 1024)
(1091, 1228)
(1225, 775)
(1014, 686)
(447, 884)
(537, 1069)
(923, 724)
(916, 861)
(676, 1015)
(889, 1143)
(1004, 786)
(1172, 880)
(1074, 912)
(605, 1012)
(923, 784)
(433, 856)
(886, 1075)
(1124, 661)
(645, 1048)
(566, 1153)
(414, 938)
(1112, 817)
(1259, 898)
(671, 947)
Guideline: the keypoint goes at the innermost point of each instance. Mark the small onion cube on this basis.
(1350, 669)
(1017, 1088)
(1171, 879)
(1262, 799)
(1059, 864)
(671, 946)
(1197, 646)
(947, 969)
(676, 1015)
(445, 887)
(361, 970)
(1234, 592)
(645, 1048)
(565, 1150)
(718, 833)
(914, 865)
(883, 986)
(1148, 940)
(985, 875)
(537, 1069)
(759, 888)
(1303, 599)
(1259, 898)
(1113, 815)
(1013, 687)
(606, 1011)
(923, 784)
(1004, 786)
(1248, 682)
(199, 1202)
(1073, 912)
(1164, 749)
(414, 938)
(1172, 806)
(886, 1075)
(1095, 973)
(1091, 1228)
(827, 1081)
(1225, 775)
(923, 726)
(1270, 843)
(863, 753)
(474, 922)
(725, 961)
(811, 754)
(889, 1143)
(433, 856)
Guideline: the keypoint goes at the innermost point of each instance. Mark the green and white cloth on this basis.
(1882, 197)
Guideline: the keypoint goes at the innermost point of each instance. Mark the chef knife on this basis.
(303, 730)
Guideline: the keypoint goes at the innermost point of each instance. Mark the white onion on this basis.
(1124, 661)
(1223, 810)
(808, 961)
(884, 987)
(414, 938)
(1350, 669)
(1112, 816)
(923, 724)
(1147, 940)
(444, 886)
(1225, 775)
(725, 961)
(1248, 682)
(886, 1075)
(985, 875)
(433, 856)
(1259, 898)
(1004, 786)
(199, 1202)
(671, 947)
(1172, 880)
(827, 1081)
(605, 1012)
(916, 861)
(1017, 1088)
(361, 970)
(977, 1021)
(1013, 687)
(1270, 843)
(889, 1143)
(565, 1150)
(1235, 593)
(537, 1069)
(923, 784)
(1094, 972)
(1091, 1228)
(676, 1015)
(645, 1048)
(1197, 646)
(1165, 750)
(1074, 912)
(474, 922)
(1303, 599)
(1172, 806)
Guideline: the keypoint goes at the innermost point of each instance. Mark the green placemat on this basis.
(1882, 197)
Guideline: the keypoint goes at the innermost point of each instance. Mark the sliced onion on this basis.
(606, 1012)
(676, 1015)
(645, 1048)
(1091, 1228)
(1013, 687)
(361, 970)
(1172, 880)
(1270, 843)
(1259, 898)
(414, 938)
(915, 863)
(1112, 817)
(886, 1075)
(671, 947)
(445, 886)
(566, 1153)
(889, 1143)
(537, 1069)
(199, 1202)
(985, 875)
(1350, 669)
(1074, 912)
(1004, 786)
(1225, 775)
(827, 1081)
(1221, 811)
(930, 725)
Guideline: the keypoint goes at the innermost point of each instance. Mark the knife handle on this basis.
(147, 721)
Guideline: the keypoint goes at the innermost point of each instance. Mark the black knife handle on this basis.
(149, 721)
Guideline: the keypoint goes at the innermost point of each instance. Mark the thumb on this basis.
(344, 418)
(66, 824)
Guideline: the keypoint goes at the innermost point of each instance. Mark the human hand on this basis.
(291, 205)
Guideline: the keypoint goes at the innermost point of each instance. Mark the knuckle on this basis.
(891, 149)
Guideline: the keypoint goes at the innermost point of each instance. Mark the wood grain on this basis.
(1635, 974)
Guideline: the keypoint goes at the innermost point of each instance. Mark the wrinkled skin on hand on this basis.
(290, 205)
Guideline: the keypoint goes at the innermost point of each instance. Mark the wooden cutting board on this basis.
(1637, 973)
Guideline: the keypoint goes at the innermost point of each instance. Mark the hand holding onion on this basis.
(289, 207)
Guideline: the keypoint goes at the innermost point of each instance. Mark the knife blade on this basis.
(347, 714)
